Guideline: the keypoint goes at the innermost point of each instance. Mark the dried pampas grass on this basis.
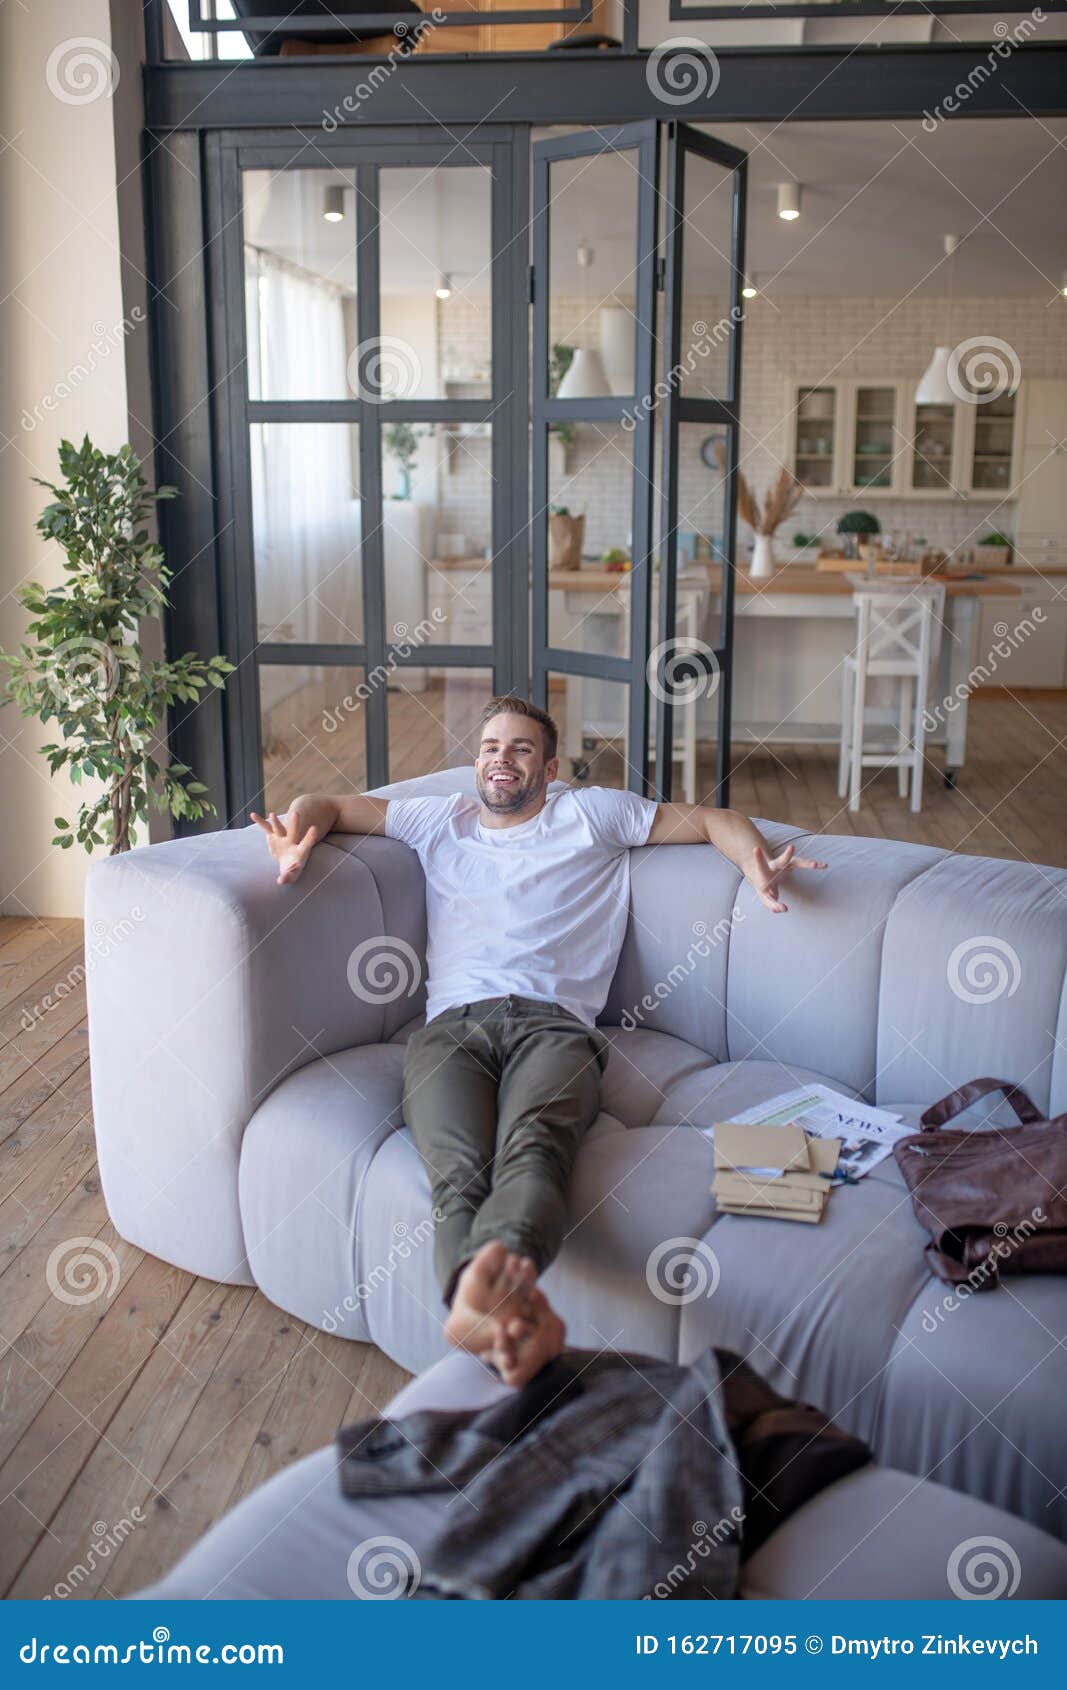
(785, 495)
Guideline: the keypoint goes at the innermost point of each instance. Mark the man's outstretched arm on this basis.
(309, 819)
(737, 838)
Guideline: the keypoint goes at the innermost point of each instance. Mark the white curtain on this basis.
(305, 505)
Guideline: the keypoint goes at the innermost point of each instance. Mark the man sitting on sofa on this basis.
(527, 899)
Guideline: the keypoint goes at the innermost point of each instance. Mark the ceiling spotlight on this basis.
(789, 201)
(333, 204)
(749, 290)
(443, 290)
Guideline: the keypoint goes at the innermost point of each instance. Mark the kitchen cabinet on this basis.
(1041, 522)
(858, 436)
(1038, 654)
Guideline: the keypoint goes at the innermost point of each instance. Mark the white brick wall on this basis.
(825, 337)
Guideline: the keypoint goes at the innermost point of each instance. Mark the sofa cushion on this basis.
(874, 1534)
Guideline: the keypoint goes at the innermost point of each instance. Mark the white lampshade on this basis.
(935, 387)
(789, 201)
(586, 378)
(617, 347)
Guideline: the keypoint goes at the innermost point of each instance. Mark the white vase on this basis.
(762, 557)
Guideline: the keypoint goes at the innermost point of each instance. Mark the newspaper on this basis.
(867, 1135)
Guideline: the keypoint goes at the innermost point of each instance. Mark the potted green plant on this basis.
(993, 551)
(401, 441)
(82, 664)
(857, 527)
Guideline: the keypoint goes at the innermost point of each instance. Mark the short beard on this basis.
(516, 800)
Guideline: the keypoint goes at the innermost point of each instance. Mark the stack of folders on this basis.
(775, 1171)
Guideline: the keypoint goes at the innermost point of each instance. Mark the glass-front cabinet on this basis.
(853, 436)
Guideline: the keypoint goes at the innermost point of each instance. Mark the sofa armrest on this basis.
(208, 983)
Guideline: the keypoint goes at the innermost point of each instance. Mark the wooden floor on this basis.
(135, 1412)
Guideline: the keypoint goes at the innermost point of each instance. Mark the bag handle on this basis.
(957, 1101)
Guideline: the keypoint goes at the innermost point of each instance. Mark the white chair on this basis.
(898, 636)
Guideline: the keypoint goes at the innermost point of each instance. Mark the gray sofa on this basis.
(876, 1533)
(256, 1136)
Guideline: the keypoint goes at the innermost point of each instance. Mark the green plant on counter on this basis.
(614, 554)
(401, 441)
(996, 539)
(801, 540)
(83, 666)
(858, 522)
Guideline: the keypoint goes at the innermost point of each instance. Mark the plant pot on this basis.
(763, 563)
(992, 557)
(565, 536)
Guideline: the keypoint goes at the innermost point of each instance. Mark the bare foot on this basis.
(518, 1357)
(491, 1303)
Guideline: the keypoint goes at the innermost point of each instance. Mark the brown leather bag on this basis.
(994, 1200)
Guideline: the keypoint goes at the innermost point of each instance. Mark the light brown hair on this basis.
(509, 704)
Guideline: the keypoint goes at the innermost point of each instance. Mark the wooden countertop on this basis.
(789, 578)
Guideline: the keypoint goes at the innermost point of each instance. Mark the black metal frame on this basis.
(642, 139)
(678, 408)
(504, 153)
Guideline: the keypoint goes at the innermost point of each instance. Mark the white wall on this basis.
(806, 337)
(63, 372)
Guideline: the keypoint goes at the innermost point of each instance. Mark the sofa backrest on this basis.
(902, 970)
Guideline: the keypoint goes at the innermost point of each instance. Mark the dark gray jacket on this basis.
(607, 1476)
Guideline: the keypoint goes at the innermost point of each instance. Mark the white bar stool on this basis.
(898, 636)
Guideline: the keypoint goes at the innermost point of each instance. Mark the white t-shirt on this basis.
(538, 910)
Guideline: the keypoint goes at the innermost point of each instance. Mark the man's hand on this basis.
(290, 843)
(764, 872)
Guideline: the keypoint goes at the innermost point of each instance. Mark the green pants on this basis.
(498, 1095)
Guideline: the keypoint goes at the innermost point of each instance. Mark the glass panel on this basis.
(701, 516)
(437, 520)
(994, 421)
(591, 276)
(436, 316)
(433, 719)
(816, 424)
(932, 452)
(306, 522)
(592, 720)
(706, 278)
(874, 443)
(300, 283)
(590, 482)
(313, 730)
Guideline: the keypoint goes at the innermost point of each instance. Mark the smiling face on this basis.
(510, 770)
